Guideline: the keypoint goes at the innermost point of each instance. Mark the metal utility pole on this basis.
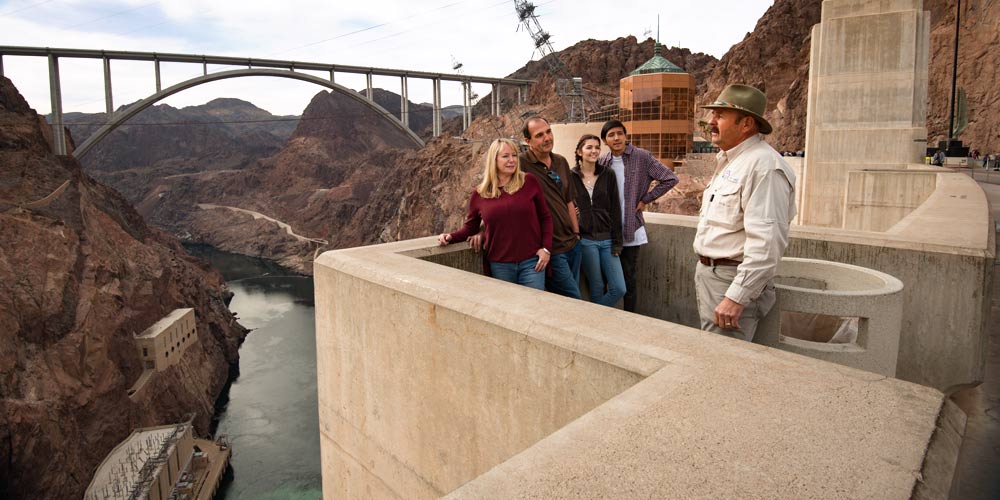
(954, 74)
(569, 90)
(526, 15)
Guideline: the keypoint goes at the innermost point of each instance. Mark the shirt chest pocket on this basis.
(724, 206)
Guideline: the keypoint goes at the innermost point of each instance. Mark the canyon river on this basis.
(270, 417)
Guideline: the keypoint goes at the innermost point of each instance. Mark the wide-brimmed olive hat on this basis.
(746, 99)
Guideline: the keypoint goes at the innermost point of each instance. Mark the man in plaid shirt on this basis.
(635, 169)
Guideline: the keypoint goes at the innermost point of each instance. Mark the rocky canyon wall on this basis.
(80, 274)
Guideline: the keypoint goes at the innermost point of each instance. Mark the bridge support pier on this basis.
(404, 103)
(496, 99)
(368, 85)
(109, 103)
(436, 120)
(55, 91)
(156, 69)
(466, 105)
(332, 79)
(1, 65)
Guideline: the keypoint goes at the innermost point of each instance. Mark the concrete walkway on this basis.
(976, 477)
(210, 477)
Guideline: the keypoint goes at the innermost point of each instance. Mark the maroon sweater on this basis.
(517, 225)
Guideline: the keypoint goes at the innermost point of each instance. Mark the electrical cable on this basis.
(369, 28)
(26, 7)
(113, 14)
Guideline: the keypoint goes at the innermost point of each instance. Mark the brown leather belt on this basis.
(718, 262)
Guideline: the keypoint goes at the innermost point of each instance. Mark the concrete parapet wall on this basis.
(432, 378)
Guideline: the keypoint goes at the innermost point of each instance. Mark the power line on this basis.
(113, 14)
(362, 30)
(438, 20)
(141, 28)
(26, 7)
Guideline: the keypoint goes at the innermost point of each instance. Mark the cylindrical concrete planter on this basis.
(819, 305)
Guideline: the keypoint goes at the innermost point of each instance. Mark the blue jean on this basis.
(521, 273)
(598, 265)
(565, 277)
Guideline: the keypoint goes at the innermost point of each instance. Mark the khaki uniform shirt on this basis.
(558, 193)
(745, 213)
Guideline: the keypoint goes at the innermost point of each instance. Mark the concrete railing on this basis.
(818, 300)
(435, 380)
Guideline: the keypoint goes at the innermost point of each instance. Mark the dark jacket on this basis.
(600, 219)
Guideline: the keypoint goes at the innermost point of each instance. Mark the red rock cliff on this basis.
(80, 273)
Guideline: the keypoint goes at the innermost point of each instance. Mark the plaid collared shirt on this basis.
(641, 169)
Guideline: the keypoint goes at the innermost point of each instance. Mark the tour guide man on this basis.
(744, 217)
(552, 172)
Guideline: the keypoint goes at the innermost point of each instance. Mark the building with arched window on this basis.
(657, 107)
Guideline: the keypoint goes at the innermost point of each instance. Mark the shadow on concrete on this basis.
(976, 476)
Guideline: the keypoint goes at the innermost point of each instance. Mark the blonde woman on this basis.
(517, 226)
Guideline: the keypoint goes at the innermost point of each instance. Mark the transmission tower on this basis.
(526, 15)
(569, 90)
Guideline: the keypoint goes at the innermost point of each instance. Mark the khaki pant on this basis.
(711, 284)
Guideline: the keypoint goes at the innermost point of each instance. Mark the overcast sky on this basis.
(428, 35)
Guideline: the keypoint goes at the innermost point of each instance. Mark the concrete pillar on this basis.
(332, 79)
(109, 103)
(496, 99)
(368, 83)
(404, 105)
(156, 69)
(465, 106)
(436, 121)
(1, 65)
(867, 105)
(55, 92)
(204, 67)
(468, 107)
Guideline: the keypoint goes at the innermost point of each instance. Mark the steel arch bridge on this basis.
(253, 67)
(124, 115)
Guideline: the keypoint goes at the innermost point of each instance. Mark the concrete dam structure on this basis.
(436, 381)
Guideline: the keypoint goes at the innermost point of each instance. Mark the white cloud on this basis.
(482, 34)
